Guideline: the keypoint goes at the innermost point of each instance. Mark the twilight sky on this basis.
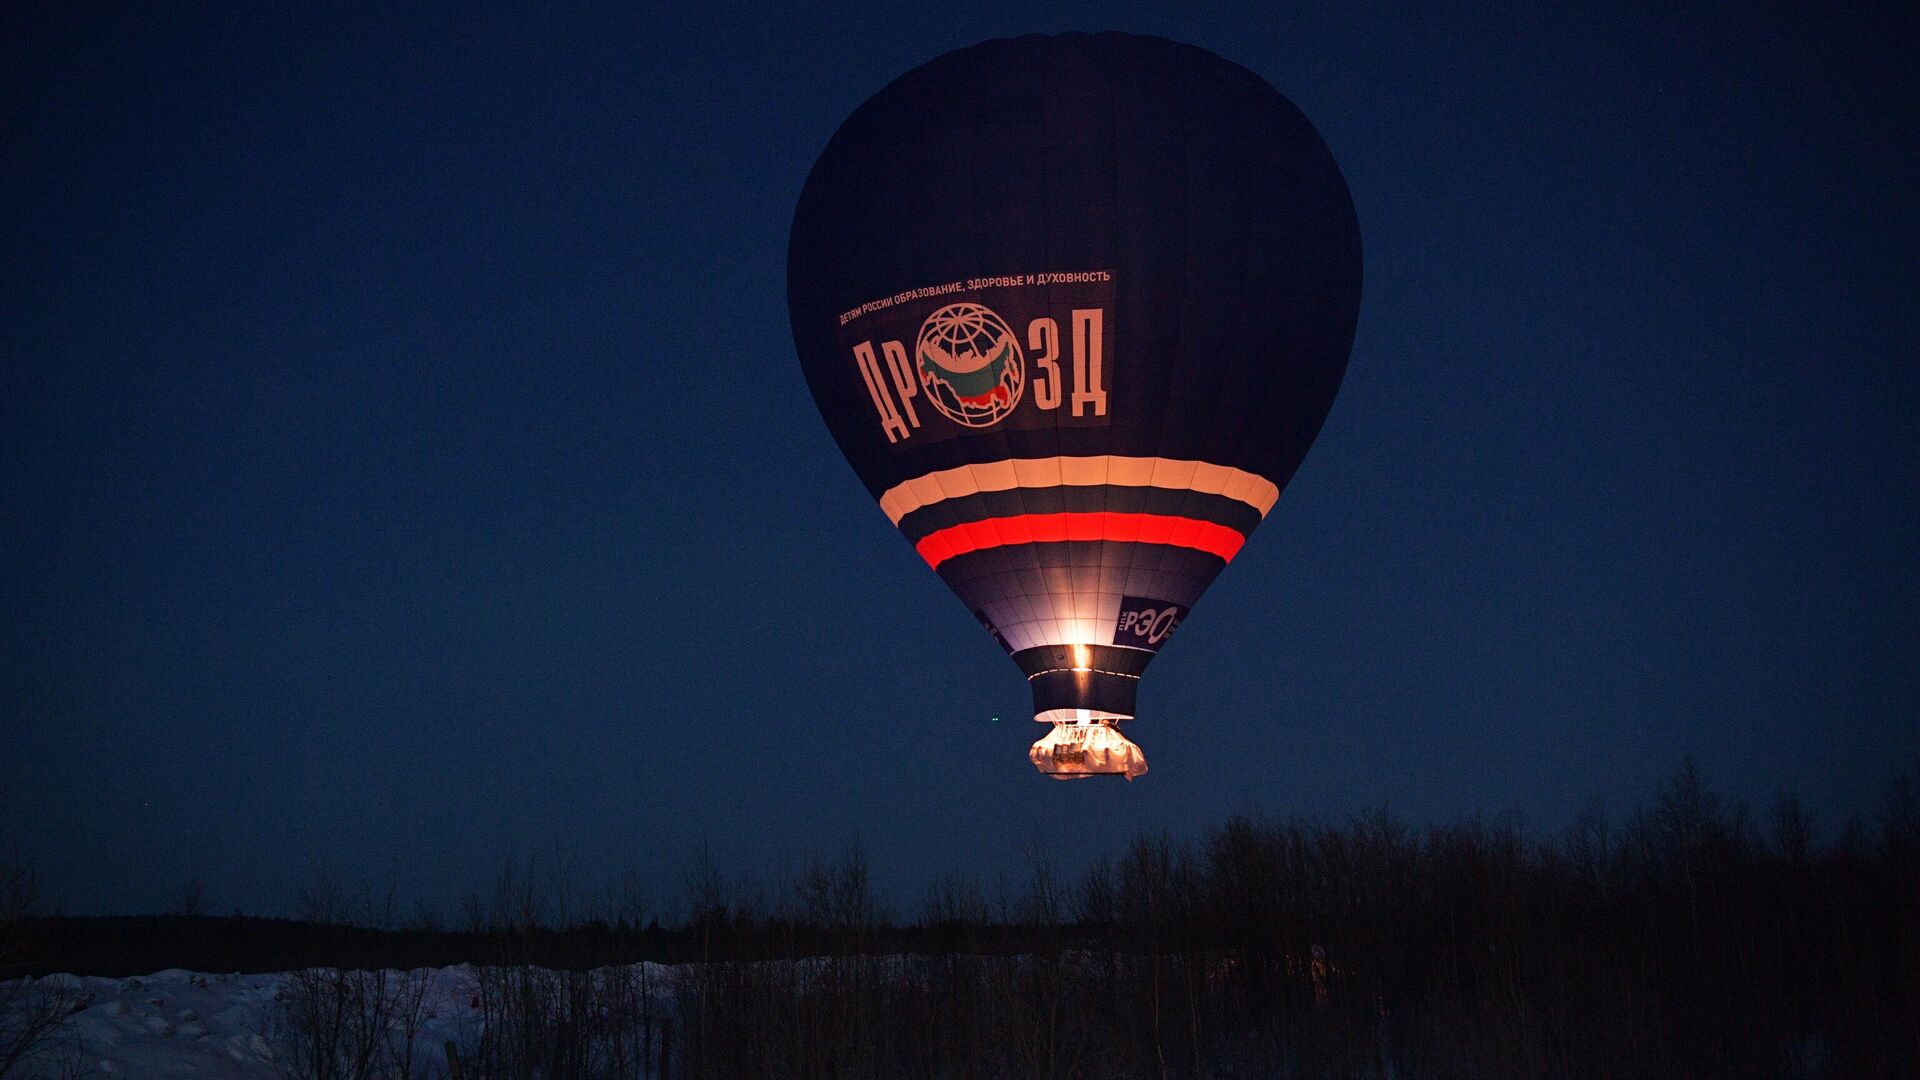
(405, 461)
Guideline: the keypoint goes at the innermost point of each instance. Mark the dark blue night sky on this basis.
(406, 461)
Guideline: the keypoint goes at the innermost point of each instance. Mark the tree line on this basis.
(1682, 938)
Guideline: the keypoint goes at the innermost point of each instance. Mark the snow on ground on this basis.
(223, 1027)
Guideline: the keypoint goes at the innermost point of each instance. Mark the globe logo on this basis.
(970, 365)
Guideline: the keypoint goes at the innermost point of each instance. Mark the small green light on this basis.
(996, 719)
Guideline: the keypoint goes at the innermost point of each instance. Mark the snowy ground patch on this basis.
(227, 1027)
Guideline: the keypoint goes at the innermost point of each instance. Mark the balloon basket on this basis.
(1076, 751)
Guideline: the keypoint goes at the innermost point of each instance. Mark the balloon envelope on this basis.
(1074, 308)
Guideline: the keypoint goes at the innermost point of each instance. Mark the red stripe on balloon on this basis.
(939, 546)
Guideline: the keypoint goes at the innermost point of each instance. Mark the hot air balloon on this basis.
(1074, 307)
